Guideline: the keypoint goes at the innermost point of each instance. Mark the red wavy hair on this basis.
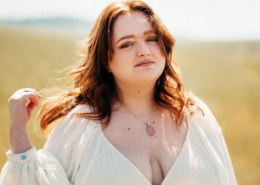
(94, 85)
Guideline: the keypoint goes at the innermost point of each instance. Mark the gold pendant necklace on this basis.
(149, 129)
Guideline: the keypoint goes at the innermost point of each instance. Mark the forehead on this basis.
(133, 23)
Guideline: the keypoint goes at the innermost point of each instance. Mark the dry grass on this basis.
(225, 75)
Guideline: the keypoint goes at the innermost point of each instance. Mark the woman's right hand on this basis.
(20, 111)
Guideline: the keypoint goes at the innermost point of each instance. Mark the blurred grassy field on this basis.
(225, 75)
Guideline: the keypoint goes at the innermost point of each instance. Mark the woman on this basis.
(127, 119)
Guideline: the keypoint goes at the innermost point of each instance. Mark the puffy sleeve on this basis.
(32, 168)
(57, 162)
(212, 137)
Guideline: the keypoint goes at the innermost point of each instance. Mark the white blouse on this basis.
(78, 153)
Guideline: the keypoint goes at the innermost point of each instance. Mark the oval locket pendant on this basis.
(150, 130)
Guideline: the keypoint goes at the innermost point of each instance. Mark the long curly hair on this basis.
(95, 86)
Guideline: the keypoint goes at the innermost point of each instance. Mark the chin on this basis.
(150, 79)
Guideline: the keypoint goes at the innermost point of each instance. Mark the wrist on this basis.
(18, 127)
(19, 139)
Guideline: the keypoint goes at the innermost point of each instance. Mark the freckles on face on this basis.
(134, 40)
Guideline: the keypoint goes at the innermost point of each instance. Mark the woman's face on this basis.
(137, 57)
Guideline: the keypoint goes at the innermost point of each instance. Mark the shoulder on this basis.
(81, 108)
(197, 104)
(68, 140)
(72, 117)
(71, 129)
(72, 125)
(204, 127)
(206, 131)
(201, 116)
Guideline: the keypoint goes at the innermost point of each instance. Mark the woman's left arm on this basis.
(222, 147)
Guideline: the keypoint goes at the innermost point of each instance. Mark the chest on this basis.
(153, 156)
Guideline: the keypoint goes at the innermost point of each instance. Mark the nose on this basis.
(142, 49)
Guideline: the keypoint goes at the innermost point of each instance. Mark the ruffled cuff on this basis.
(22, 157)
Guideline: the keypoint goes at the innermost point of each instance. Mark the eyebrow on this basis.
(130, 36)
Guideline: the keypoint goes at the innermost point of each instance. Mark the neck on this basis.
(139, 103)
(139, 100)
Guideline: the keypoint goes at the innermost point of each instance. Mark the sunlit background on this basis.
(217, 47)
(187, 19)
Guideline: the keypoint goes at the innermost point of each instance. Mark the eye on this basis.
(152, 39)
(126, 45)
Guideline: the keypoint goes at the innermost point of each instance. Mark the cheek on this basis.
(159, 55)
(157, 50)
(115, 60)
(122, 58)
(118, 64)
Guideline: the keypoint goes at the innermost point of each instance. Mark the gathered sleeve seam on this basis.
(22, 158)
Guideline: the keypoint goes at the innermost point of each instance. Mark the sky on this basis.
(195, 19)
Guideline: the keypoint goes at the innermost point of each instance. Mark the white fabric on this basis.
(78, 153)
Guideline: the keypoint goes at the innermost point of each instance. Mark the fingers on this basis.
(31, 105)
(32, 97)
(19, 110)
(26, 90)
(23, 95)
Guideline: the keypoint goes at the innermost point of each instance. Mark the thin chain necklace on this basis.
(149, 129)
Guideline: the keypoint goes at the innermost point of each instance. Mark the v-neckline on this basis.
(137, 169)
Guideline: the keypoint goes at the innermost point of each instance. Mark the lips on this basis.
(144, 63)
